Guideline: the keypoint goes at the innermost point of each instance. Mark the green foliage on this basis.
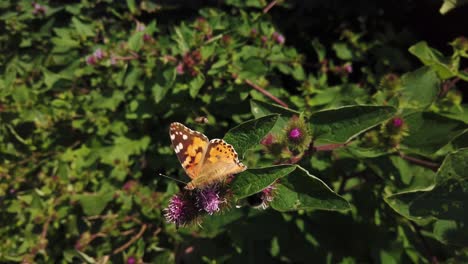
(446, 200)
(342, 124)
(356, 151)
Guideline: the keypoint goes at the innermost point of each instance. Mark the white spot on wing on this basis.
(180, 146)
(172, 136)
(184, 137)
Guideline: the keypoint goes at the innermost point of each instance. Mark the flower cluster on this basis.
(390, 135)
(38, 9)
(393, 131)
(96, 57)
(202, 25)
(278, 38)
(189, 63)
(262, 199)
(298, 137)
(343, 70)
(186, 207)
(292, 144)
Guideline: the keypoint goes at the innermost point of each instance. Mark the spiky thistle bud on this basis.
(297, 137)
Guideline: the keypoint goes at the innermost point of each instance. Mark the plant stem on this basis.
(269, 6)
(266, 93)
(131, 241)
(329, 147)
(431, 165)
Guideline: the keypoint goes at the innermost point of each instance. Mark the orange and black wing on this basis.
(190, 147)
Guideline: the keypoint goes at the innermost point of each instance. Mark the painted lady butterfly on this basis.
(205, 162)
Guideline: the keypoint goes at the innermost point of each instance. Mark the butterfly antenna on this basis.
(160, 174)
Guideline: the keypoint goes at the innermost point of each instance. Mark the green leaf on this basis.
(252, 69)
(446, 200)
(196, 84)
(249, 133)
(428, 132)
(216, 224)
(159, 92)
(342, 124)
(419, 88)
(461, 141)
(255, 180)
(82, 29)
(434, 59)
(449, 5)
(260, 109)
(135, 42)
(131, 6)
(301, 190)
(451, 232)
(343, 51)
(94, 204)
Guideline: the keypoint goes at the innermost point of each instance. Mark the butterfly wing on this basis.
(220, 161)
(190, 147)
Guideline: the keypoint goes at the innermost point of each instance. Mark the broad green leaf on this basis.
(301, 190)
(452, 232)
(342, 124)
(461, 141)
(84, 30)
(433, 58)
(419, 88)
(94, 204)
(255, 180)
(249, 133)
(428, 132)
(446, 200)
(260, 109)
(216, 224)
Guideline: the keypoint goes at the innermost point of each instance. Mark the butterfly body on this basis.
(205, 161)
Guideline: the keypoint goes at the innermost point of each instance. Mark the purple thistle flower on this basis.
(131, 260)
(295, 134)
(146, 37)
(180, 68)
(267, 196)
(348, 68)
(278, 38)
(181, 210)
(209, 199)
(38, 9)
(267, 140)
(253, 32)
(397, 122)
(91, 60)
(263, 198)
(98, 54)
